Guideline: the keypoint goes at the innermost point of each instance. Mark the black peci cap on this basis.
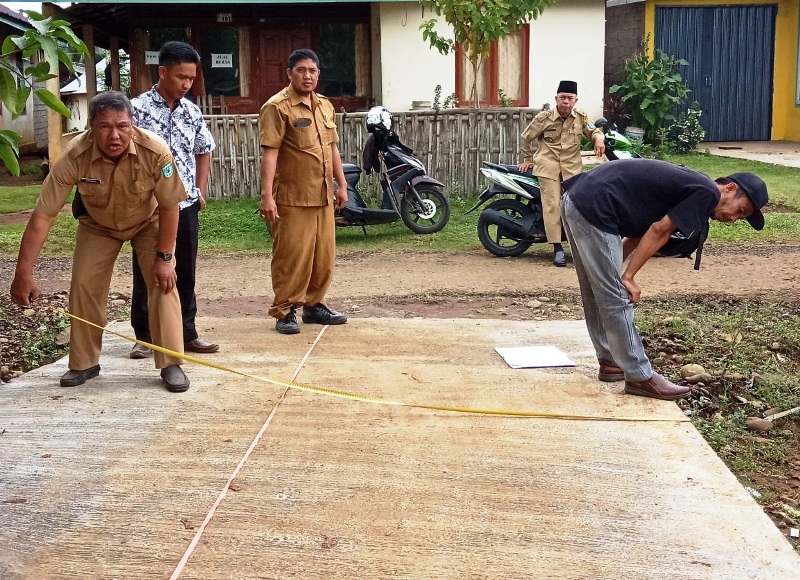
(567, 87)
(756, 190)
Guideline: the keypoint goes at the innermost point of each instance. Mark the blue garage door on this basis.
(730, 50)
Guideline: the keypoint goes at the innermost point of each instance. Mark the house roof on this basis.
(77, 86)
(111, 18)
(14, 19)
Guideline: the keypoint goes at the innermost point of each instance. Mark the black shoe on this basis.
(175, 380)
(321, 314)
(288, 324)
(74, 378)
(559, 258)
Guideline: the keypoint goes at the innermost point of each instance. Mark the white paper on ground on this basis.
(529, 357)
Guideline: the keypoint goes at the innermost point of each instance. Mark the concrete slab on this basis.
(115, 478)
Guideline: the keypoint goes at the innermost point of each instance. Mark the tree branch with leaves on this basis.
(476, 24)
(45, 42)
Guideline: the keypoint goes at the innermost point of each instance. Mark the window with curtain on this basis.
(505, 69)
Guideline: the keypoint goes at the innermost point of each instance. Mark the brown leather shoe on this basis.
(200, 345)
(657, 387)
(140, 351)
(610, 373)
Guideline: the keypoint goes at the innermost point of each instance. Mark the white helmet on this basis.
(379, 118)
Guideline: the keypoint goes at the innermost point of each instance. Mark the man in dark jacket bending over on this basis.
(630, 208)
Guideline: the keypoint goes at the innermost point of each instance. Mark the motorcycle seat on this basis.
(510, 169)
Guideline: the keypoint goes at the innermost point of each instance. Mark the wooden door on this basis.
(274, 49)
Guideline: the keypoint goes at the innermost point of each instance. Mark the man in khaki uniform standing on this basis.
(557, 134)
(300, 159)
(130, 191)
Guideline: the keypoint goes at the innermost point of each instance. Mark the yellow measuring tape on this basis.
(367, 398)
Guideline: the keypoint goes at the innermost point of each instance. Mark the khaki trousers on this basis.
(303, 256)
(551, 208)
(92, 266)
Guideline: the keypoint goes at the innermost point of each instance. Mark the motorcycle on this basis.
(409, 193)
(510, 225)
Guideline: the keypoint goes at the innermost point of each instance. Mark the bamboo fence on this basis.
(452, 144)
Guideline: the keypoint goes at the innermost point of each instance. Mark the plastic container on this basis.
(635, 134)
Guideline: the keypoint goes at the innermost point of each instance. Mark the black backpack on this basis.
(681, 246)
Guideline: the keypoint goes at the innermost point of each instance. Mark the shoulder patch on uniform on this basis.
(277, 98)
(543, 114)
(168, 170)
(580, 112)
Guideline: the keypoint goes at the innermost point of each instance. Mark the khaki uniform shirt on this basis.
(559, 143)
(119, 196)
(303, 136)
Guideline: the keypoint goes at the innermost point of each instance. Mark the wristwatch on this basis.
(166, 256)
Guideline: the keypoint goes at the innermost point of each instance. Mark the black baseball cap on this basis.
(756, 190)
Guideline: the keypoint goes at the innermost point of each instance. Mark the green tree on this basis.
(476, 24)
(47, 41)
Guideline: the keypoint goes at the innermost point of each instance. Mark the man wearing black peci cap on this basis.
(629, 209)
(557, 156)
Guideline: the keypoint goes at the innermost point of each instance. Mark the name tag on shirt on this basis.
(91, 180)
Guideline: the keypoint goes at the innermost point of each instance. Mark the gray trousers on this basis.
(606, 305)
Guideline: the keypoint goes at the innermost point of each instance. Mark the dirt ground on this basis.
(463, 284)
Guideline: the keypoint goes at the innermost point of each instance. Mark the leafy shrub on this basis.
(686, 132)
(651, 90)
(450, 102)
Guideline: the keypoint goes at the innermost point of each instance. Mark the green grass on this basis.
(13, 198)
(753, 347)
(60, 242)
(234, 226)
(781, 181)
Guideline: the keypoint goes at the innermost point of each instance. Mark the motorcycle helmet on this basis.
(379, 119)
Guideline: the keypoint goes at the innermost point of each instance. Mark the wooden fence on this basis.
(452, 144)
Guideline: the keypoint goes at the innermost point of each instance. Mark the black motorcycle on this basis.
(409, 193)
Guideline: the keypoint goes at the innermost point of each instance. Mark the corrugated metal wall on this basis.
(730, 50)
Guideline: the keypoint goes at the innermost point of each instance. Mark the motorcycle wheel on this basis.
(490, 235)
(434, 214)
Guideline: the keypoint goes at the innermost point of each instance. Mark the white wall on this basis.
(22, 124)
(79, 109)
(568, 43)
(410, 69)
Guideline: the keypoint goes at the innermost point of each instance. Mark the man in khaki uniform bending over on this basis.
(300, 159)
(557, 133)
(130, 191)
